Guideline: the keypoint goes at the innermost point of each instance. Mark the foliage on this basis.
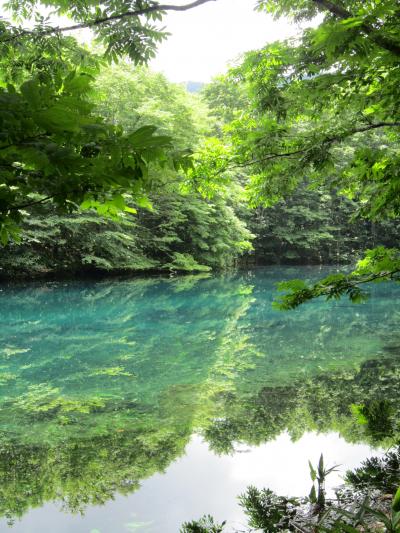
(135, 96)
(180, 233)
(290, 82)
(267, 511)
(124, 99)
(226, 101)
(320, 110)
(124, 28)
(55, 148)
(74, 245)
(173, 228)
(312, 225)
(382, 473)
(317, 118)
(319, 475)
(379, 264)
(270, 513)
(206, 524)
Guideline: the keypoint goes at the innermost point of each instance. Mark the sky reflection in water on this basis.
(201, 483)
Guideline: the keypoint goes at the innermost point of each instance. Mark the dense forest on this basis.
(176, 228)
(198, 200)
(182, 225)
(288, 159)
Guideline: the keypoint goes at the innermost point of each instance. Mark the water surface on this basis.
(137, 404)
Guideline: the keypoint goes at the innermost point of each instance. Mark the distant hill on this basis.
(194, 86)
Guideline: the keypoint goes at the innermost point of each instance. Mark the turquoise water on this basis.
(147, 402)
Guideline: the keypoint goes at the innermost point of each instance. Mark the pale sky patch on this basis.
(205, 40)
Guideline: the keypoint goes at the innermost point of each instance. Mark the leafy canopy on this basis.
(323, 109)
(124, 27)
(53, 145)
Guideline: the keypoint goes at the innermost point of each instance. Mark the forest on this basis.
(198, 259)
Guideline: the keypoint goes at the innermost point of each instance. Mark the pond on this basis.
(134, 405)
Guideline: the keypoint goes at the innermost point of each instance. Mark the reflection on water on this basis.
(103, 385)
(201, 482)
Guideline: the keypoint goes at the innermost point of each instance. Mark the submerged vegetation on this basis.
(95, 401)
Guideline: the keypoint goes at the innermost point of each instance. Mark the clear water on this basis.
(138, 404)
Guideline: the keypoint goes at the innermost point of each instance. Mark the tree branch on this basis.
(328, 140)
(353, 282)
(343, 14)
(25, 141)
(36, 202)
(346, 285)
(362, 130)
(103, 20)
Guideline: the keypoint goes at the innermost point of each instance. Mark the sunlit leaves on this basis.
(136, 36)
(323, 110)
(333, 91)
(379, 264)
(211, 162)
(54, 147)
(379, 261)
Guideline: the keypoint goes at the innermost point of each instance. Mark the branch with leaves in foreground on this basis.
(379, 264)
(156, 8)
(328, 140)
(343, 14)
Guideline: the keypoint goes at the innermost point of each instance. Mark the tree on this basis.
(53, 147)
(312, 225)
(324, 109)
(126, 28)
(174, 228)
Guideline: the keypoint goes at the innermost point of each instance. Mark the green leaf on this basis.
(130, 209)
(371, 109)
(321, 466)
(144, 203)
(119, 202)
(313, 495)
(78, 83)
(313, 472)
(57, 118)
(396, 501)
(3, 236)
(144, 138)
(352, 22)
(30, 90)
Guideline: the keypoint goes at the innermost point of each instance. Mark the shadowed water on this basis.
(137, 404)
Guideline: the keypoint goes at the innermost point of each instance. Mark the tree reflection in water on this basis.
(103, 384)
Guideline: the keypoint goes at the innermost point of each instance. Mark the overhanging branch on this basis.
(343, 14)
(30, 204)
(327, 140)
(348, 285)
(111, 18)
